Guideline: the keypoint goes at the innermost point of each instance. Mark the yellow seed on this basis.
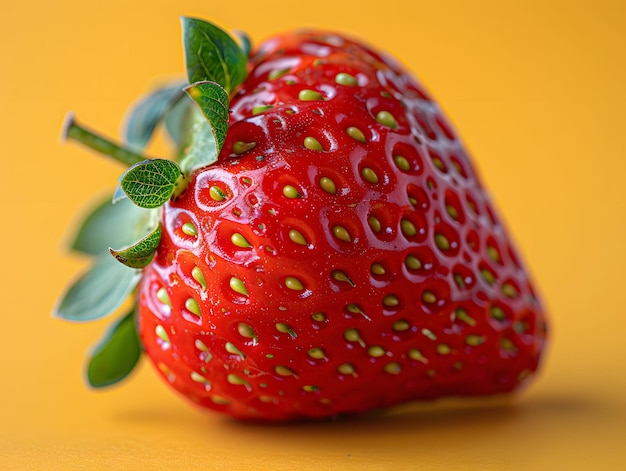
(328, 185)
(246, 331)
(220, 400)
(285, 329)
(402, 163)
(162, 333)
(377, 269)
(293, 283)
(284, 370)
(429, 297)
(507, 344)
(356, 133)
(442, 242)
(310, 388)
(497, 313)
(452, 212)
(192, 306)
(487, 276)
(291, 191)
(318, 316)
(341, 276)
(353, 335)
(386, 119)
(462, 315)
(216, 194)
(312, 143)
(197, 275)
(509, 290)
(369, 175)
(190, 229)
(163, 296)
(374, 224)
(474, 340)
(297, 237)
(239, 147)
(408, 228)
(198, 378)
(240, 241)
(415, 354)
(493, 253)
(401, 325)
(343, 78)
(230, 348)
(439, 164)
(342, 234)
(376, 351)
(236, 380)
(237, 286)
(277, 73)
(412, 262)
(391, 300)
(310, 95)
(393, 368)
(346, 369)
(316, 353)
(260, 109)
(443, 349)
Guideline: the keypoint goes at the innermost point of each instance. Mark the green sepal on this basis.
(146, 114)
(141, 253)
(98, 292)
(245, 42)
(110, 225)
(177, 120)
(212, 54)
(116, 355)
(199, 148)
(213, 101)
(151, 183)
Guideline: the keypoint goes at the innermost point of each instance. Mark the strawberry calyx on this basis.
(216, 65)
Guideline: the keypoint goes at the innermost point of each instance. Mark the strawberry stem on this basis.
(72, 130)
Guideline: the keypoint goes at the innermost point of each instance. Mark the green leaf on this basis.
(201, 150)
(177, 120)
(149, 112)
(141, 253)
(244, 40)
(151, 183)
(110, 225)
(211, 54)
(98, 292)
(213, 102)
(116, 355)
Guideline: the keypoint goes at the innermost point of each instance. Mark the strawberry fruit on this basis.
(320, 245)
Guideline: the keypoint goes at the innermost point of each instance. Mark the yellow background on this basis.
(537, 90)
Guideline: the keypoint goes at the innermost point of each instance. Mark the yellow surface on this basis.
(537, 90)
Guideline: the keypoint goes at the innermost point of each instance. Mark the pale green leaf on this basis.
(213, 102)
(116, 355)
(98, 292)
(201, 150)
(212, 54)
(145, 115)
(177, 120)
(110, 225)
(151, 183)
(141, 253)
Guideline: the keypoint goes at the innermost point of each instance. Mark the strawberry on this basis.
(321, 244)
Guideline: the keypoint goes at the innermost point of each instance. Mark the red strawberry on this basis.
(341, 253)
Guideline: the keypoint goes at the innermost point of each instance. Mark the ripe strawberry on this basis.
(339, 255)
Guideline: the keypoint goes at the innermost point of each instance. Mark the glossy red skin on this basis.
(256, 207)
